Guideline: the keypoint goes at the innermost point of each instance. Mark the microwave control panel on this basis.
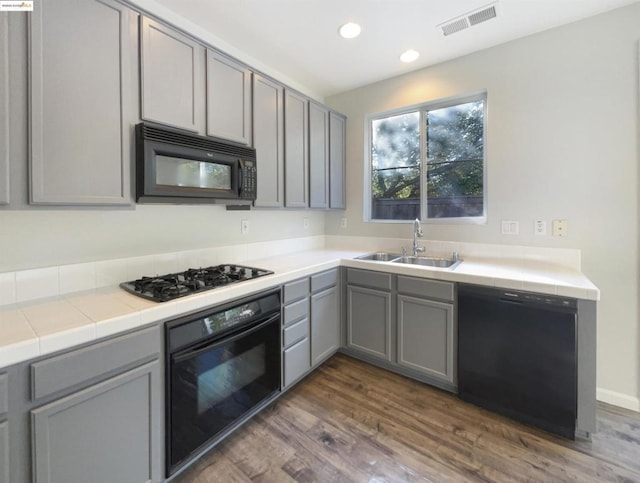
(249, 180)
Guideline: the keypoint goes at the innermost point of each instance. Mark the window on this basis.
(447, 138)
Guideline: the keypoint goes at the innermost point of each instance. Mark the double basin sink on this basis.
(411, 260)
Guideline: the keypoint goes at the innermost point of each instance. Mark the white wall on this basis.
(33, 239)
(562, 142)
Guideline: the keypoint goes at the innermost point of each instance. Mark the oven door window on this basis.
(214, 386)
(171, 171)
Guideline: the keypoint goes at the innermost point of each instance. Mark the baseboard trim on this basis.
(618, 399)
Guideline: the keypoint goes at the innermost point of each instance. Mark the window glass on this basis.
(395, 163)
(452, 154)
(455, 158)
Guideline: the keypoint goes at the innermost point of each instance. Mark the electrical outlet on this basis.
(305, 223)
(343, 222)
(540, 227)
(560, 227)
(244, 227)
(510, 227)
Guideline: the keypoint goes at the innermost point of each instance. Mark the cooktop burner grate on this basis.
(162, 288)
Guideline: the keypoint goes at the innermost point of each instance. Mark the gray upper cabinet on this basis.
(228, 98)
(318, 156)
(4, 109)
(81, 99)
(337, 164)
(296, 161)
(172, 77)
(268, 140)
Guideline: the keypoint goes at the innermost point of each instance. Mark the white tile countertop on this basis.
(39, 327)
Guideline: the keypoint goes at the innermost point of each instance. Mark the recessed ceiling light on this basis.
(350, 30)
(409, 55)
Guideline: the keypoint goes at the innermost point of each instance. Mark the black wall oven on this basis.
(223, 365)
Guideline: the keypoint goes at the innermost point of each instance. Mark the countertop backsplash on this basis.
(27, 285)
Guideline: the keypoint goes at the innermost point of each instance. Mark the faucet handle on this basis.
(404, 251)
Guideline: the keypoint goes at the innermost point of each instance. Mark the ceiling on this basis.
(299, 38)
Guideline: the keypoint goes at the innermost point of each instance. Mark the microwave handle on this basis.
(240, 178)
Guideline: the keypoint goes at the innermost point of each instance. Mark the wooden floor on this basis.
(350, 421)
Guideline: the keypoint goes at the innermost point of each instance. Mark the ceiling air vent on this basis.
(455, 26)
(469, 20)
(482, 15)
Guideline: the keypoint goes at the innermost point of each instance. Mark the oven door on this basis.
(213, 385)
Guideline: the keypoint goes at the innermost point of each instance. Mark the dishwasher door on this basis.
(517, 355)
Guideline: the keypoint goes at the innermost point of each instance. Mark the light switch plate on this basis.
(510, 227)
(244, 227)
(305, 223)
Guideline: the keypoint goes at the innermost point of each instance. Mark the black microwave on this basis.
(173, 166)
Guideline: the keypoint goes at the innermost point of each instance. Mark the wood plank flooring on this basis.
(350, 421)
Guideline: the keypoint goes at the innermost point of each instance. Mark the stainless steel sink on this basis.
(427, 261)
(380, 256)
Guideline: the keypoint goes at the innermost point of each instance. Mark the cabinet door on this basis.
(296, 362)
(426, 337)
(105, 433)
(325, 325)
(4, 452)
(369, 321)
(172, 69)
(228, 99)
(80, 102)
(337, 165)
(296, 161)
(318, 156)
(268, 139)
(4, 108)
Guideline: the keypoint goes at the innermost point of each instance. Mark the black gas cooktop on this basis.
(194, 280)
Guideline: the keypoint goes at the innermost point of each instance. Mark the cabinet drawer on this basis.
(324, 280)
(296, 311)
(297, 361)
(425, 288)
(4, 393)
(295, 290)
(295, 332)
(82, 365)
(369, 278)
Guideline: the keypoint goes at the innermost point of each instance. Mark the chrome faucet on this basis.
(417, 233)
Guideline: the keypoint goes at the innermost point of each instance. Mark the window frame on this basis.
(421, 109)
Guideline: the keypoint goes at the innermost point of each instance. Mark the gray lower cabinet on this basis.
(296, 155)
(91, 414)
(318, 156)
(268, 140)
(325, 315)
(104, 433)
(4, 451)
(172, 77)
(337, 160)
(4, 429)
(228, 98)
(4, 108)
(426, 337)
(296, 344)
(82, 94)
(369, 321)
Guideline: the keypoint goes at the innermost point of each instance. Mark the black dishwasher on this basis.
(517, 355)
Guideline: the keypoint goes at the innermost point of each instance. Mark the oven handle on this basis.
(193, 352)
